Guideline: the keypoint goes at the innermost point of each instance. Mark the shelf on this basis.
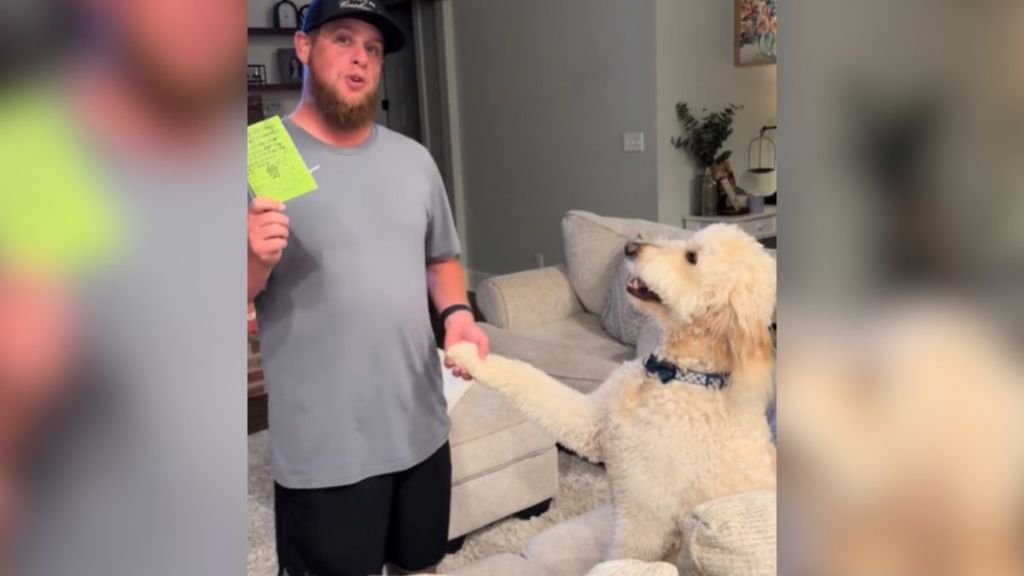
(283, 32)
(273, 87)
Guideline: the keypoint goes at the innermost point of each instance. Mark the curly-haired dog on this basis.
(686, 424)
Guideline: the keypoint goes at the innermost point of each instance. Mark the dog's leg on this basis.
(573, 418)
(643, 536)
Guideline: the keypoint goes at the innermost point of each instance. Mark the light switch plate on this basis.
(633, 142)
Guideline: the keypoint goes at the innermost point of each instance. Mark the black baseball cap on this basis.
(369, 11)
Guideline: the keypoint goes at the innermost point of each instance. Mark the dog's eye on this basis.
(691, 256)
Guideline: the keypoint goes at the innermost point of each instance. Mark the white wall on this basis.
(695, 65)
(545, 90)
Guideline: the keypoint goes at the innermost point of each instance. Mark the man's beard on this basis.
(338, 113)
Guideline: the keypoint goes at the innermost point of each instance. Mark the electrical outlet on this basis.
(633, 142)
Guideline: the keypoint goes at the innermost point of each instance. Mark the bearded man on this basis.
(358, 420)
(120, 452)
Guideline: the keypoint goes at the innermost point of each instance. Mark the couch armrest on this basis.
(731, 536)
(527, 299)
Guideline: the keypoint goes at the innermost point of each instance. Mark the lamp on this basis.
(760, 180)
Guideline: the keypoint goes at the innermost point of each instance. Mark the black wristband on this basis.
(452, 310)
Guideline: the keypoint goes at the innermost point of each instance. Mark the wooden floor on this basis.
(257, 405)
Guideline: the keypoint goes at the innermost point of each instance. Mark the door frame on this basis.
(442, 115)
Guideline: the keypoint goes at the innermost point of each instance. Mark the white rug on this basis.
(582, 487)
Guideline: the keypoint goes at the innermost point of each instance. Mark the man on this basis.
(358, 422)
(127, 448)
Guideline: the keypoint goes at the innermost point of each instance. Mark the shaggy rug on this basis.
(582, 487)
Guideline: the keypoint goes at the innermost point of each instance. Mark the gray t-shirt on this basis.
(353, 377)
(143, 468)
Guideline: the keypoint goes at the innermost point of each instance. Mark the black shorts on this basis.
(399, 518)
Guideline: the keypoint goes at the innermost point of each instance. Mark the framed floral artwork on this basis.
(757, 32)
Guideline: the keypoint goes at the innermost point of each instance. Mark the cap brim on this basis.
(394, 38)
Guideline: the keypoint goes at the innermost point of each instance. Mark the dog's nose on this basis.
(632, 249)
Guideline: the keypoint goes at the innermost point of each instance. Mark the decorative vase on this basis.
(766, 44)
(705, 191)
(756, 204)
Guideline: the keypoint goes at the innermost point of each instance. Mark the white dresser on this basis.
(760, 226)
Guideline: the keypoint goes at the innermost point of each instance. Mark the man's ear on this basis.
(303, 45)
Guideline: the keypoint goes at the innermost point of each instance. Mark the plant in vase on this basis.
(703, 139)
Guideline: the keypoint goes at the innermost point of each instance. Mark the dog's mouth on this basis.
(639, 290)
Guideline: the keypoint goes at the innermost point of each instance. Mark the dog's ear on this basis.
(752, 305)
(741, 302)
(735, 320)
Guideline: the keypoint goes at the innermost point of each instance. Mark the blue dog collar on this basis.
(666, 372)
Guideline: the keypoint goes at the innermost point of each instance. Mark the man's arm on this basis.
(37, 347)
(447, 286)
(258, 273)
(268, 237)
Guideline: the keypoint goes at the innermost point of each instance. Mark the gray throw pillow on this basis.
(620, 318)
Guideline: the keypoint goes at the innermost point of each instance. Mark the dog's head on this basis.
(721, 278)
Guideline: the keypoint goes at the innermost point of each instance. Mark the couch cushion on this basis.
(732, 536)
(485, 498)
(574, 546)
(574, 351)
(633, 568)
(592, 245)
(488, 433)
(584, 333)
(501, 565)
(620, 318)
(649, 338)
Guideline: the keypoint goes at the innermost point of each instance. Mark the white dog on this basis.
(686, 424)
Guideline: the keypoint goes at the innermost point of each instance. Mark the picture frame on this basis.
(755, 33)
(256, 75)
(289, 66)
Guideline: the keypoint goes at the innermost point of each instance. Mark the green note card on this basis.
(55, 211)
(276, 170)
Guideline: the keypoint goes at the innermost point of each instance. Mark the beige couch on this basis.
(550, 317)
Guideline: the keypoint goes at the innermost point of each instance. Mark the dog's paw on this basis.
(466, 356)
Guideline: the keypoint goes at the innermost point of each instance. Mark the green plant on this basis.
(703, 138)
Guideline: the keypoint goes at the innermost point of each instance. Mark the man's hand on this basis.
(268, 237)
(268, 230)
(38, 336)
(460, 327)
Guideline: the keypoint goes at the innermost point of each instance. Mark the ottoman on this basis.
(502, 463)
